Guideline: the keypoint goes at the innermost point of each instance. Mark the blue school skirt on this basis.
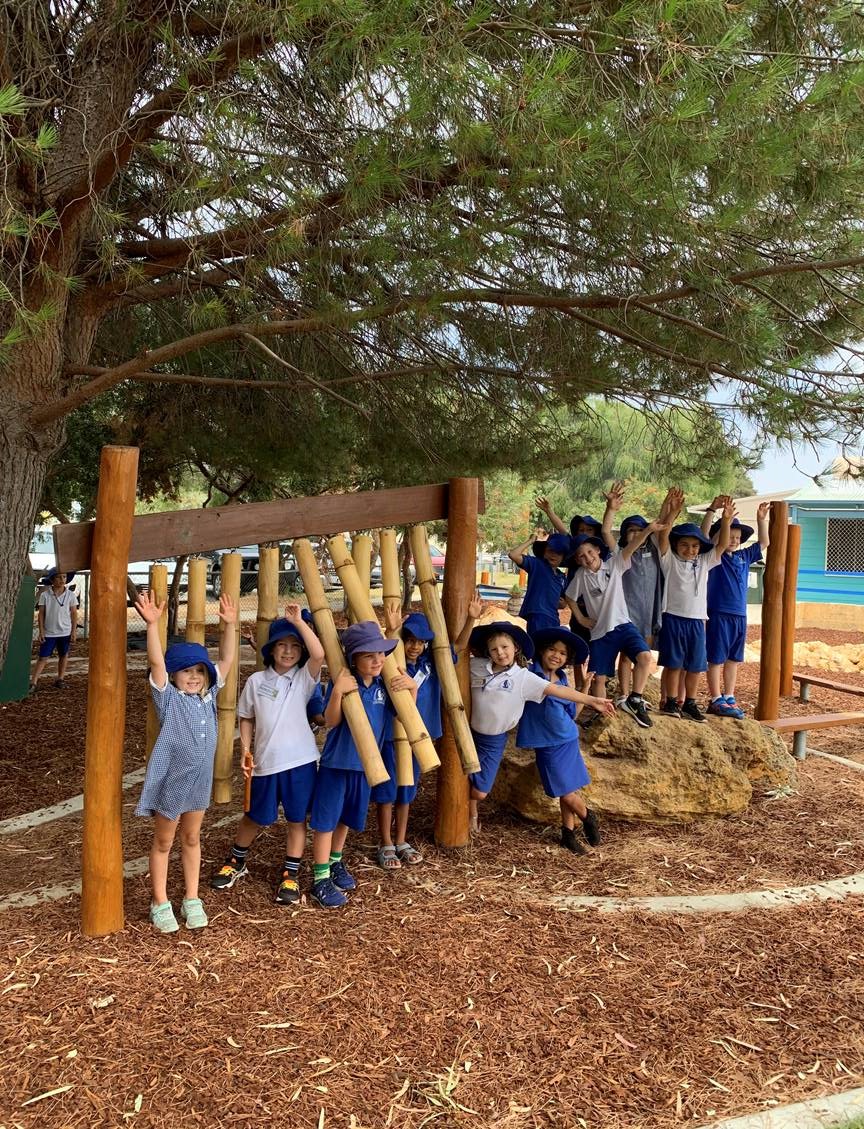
(490, 750)
(562, 768)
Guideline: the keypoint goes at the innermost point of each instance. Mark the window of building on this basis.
(844, 549)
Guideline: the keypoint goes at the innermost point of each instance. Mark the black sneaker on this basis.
(591, 827)
(228, 875)
(569, 841)
(288, 893)
(691, 710)
(670, 708)
(635, 706)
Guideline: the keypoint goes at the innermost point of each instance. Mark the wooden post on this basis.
(451, 800)
(159, 592)
(102, 842)
(790, 601)
(268, 597)
(768, 704)
(226, 702)
(196, 601)
(392, 597)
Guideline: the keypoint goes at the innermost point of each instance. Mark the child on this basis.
(599, 581)
(545, 579)
(500, 687)
(579, 524)
(58, 623)
(274, 705)
(549, 727)
(179, 774)
(726, 631)
(686, 557)
(342, 792)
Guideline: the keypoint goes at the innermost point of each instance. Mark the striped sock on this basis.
(335, 856)
(239, 853)
(320, 871)
(291, 866)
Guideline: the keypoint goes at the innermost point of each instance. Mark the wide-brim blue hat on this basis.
(557, 543)
(366, 636)
(180, 656)
(586, 539)
(690, 529)
(52, 572)
(747, 531)
(577, 648)
(417, 624)
(281, 629)
(635, 520)
(480, 636)
(584, 519)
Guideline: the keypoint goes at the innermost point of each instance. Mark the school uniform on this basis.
(681, 643)
(342, 792)
(726, 631)
(286, 754)
(58, 621)
(425, 677)
(605, 602)
(542, 594)
(497, 702)
(549, 728)
(643, 590)
(179, 775)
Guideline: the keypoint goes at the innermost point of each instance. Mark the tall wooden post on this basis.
(768, 704)
(268, 597)
(102, 842)
(790, 602)
(226, 703)
(159, 592)
(196, 600)
(451, 800)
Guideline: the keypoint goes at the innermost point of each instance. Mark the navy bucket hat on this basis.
(585, 539)
(635, 521)
(417, 624)
(480, 636)
(577, 648)
(281, 629)
(584, 519)
(54, 571)
(689, 529)
(365, 636)
(557, 543)
(181, 656)
(747, 531)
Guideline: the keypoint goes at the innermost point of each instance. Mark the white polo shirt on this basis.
(277, 703)
(686, 589)
(603, 593)
(58, 612)
(497, 700)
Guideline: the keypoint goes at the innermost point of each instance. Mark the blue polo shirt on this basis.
(428, 693)
(545, 587)
(727, 584)
(339, 749)
(550, 722)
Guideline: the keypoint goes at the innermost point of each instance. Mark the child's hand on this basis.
(247, 633)
(729, 510)
(615, 495)
(475, 607)
(674, 502)
(603, 705)
(718, 502)
(393, 619)
(763, 511)
(292, 614)
(148, 609)
(247, 763)
(659, 526)
(227, 609)
(344, 682)
(541, 534)
(543, 504)
(403, 681)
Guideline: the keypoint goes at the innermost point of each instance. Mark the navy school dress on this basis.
(549, 727)
(542, 595)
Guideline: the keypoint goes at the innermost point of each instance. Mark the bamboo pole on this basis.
(451, 800)
(392, 597)
(196, 601)
(361, 551)
(102, 840)
(352, 706)
(790, 597)
(441, 651)
(159, 591)
(768, 703)
(268, 597)
(226, 702)
(403, 702)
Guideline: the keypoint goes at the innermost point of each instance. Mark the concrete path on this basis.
(835, 1110)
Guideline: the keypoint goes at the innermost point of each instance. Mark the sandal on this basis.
(386, 856)
(408, 855)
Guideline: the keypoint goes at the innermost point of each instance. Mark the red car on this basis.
(437, 555)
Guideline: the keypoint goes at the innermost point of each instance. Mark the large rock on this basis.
(675, 772)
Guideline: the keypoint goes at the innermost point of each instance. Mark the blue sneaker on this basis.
(327, 895)
(341, 876)
(721, 708)
(730, 701)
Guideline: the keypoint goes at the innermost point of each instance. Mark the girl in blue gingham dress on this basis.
(179, 774)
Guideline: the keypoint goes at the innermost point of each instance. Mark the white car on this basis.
(42, 550)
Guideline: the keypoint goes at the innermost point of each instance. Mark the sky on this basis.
(779, 471)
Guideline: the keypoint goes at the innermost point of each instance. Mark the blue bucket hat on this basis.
(577, 648)
(417, 624)
(636, 521)
(584, 519)
(281, 629)
(181, 656)
(746, 530)
(52, 572)
(585, 539)
(689, 529)
(480, 636)
(366, 636)
(557, 543)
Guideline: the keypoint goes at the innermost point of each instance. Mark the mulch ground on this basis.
(455, 995)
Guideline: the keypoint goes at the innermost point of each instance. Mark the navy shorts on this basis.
(341, 796)
(562, 768)
(537, 621)
(61, 642)
(293, 789)
(725, 636)
(390, 792)
(681, 644)
(621, 640)
(490, 750)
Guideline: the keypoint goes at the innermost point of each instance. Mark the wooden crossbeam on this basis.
(177, 532)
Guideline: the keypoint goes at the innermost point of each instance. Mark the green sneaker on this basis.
(192, 912)
(162, 918)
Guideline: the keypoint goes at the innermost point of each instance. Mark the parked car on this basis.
(438, 557)
(42, 550)
(290, 579)
(139, 572)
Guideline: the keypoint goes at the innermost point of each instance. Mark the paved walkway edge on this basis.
(836, 1109)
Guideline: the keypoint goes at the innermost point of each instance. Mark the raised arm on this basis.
(762, 516)
(614, 498)
(151, 613)
(310, 640)
(543, 504)
(475, 610)
(722, 543)
(657, 527)
(519, 552)
(672, 506)
(227, 640)
(708, 520)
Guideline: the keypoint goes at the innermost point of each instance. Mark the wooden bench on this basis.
(799, 727)
(805, 681)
